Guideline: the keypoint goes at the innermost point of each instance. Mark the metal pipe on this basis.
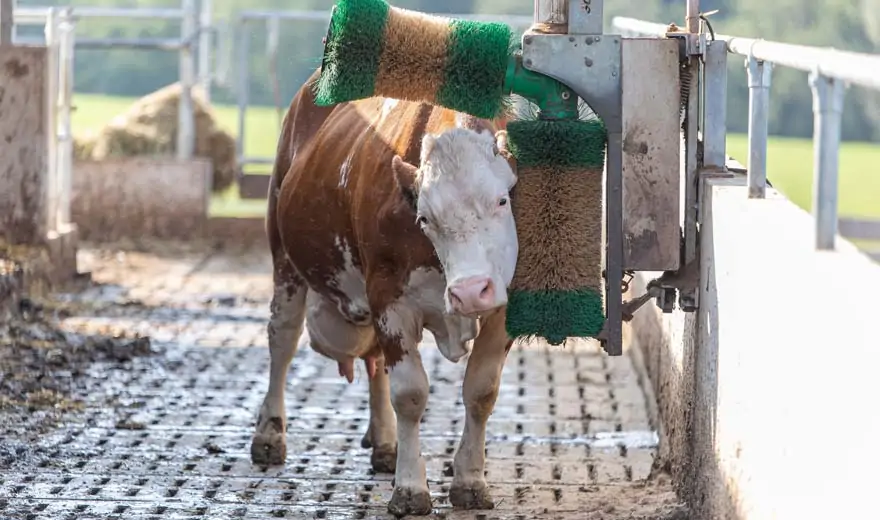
(828, 94)
(205, 23)
(164, 44)
(6, 22)
(551, 16)
(854, 67)
(692, 16)
(324, 16)
(31, 15)
(759, 74)
(51, 102)
(715, 106)
(186, 119)
(67, 45)
(243, 90)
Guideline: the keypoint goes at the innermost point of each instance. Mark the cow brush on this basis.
(373, 49)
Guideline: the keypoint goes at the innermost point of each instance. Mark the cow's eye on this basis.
(502, 201)
(422, 220)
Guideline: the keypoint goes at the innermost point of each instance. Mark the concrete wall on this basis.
(140, 196)
(768, 394)
(23, 143)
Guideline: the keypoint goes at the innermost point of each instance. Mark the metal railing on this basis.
(830, 70)
(59, 30)
(195, 29)
(240, 31)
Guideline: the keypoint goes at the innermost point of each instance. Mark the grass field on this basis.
(790, 161)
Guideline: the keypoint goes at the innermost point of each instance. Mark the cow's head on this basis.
(460, 197)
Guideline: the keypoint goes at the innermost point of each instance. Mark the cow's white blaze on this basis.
(464, 208)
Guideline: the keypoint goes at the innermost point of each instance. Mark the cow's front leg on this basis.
(399, 331)
(481, 381)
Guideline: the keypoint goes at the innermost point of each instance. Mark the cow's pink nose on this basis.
(473, 294)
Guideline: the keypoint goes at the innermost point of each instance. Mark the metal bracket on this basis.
(664, 289)
(589, 65)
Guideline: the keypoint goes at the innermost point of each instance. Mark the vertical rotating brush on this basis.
(373, 49)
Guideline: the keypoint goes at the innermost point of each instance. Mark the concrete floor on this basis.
(166, 433)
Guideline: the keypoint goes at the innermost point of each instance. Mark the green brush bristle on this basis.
(477, 56)
(554, 315)
(352, 51)
(558, 143)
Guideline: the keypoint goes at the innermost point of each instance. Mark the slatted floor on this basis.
(168, 435)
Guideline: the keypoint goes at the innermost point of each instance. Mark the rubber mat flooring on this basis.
(167, 434)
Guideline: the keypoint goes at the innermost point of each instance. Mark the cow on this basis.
(386, 218)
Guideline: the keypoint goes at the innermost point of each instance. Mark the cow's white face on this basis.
(460, 194)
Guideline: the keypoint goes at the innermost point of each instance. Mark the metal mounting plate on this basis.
(588, 64)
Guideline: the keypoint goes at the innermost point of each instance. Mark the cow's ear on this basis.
(405, 176)
(501, 147)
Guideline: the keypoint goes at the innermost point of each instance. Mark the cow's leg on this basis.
(481, 381)
(381, 435)
(398, 330)
(269, 445)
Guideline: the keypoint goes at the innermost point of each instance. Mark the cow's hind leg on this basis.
(481, 382)
(381, 435)
(269, 445)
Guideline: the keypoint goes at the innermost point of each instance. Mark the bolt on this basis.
(614, 73)
(566, 95)
(528, 63)
(597, 39)
(588, 62)
(589, 40)
(571, 38)
(527, 40)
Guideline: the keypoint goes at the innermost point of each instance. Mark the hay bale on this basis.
(149, 127)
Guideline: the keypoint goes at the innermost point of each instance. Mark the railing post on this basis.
(6, 22)
(715, 105)
(66, 52)
(243, 90)
(205, 39)
(828, 94)
(759, 73)
(51, 104)
(186, 119)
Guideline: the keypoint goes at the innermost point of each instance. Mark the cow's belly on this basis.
(331, 334)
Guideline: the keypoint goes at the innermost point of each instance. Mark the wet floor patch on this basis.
(166, 434)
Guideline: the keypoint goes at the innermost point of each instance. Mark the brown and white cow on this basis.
(385, 218)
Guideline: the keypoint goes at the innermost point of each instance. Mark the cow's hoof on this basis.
(407, 501)
(268, 449)
(470, 497)
(384, 459)
(365, 441)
